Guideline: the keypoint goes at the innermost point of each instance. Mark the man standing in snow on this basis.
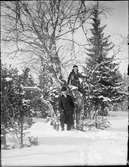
(66, 107)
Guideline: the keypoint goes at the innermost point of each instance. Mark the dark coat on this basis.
(66, 103)
(73, 78)
(66, 107)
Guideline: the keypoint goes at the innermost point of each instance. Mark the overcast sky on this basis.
(117, 26)
(116, 20)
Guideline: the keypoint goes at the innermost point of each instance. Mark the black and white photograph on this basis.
(64, 83)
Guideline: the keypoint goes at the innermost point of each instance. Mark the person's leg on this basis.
(70, 122)
(68, 126)
(78, 110)
(62, 120)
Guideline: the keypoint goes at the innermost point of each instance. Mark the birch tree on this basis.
(34, 27)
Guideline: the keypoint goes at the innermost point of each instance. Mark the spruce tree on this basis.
(102, 71)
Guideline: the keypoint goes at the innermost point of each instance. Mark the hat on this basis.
(63, 88)
(75, 66)
(27, 69)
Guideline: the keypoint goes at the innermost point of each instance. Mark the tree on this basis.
(15, 104)
(123, 105)
(36, 26)
(7, 99)
(45, 81)
(103, 76)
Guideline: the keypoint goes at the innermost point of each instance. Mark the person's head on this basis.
(64, 90)
(27, 70)
(75, 68)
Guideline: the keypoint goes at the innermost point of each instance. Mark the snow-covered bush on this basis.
(15, 105)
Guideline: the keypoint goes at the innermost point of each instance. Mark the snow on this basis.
(93, 147)
(104, 98)
(33, 88)
(8, 79)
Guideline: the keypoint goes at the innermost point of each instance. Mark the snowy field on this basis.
(95, 147)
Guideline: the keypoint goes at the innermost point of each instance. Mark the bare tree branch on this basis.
(36, 26)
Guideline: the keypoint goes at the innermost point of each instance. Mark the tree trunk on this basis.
(21, 127)
(55, 67)
(96, 121)
(3, 139)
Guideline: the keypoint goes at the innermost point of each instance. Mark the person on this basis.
(66, 108)
(23, 78)
(73, 79)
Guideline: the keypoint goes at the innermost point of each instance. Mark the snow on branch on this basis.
(35, 88)
(104, 98)
(49, 105)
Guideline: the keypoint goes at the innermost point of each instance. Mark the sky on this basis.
(117, 26)
(116, 20)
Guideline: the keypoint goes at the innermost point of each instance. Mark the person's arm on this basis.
(69, 79)
(82, 76)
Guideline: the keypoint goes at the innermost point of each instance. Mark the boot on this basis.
(68, 127)
(62, 128)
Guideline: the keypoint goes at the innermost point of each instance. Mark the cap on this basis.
(75, 66)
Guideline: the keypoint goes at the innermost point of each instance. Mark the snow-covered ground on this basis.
(95, 147)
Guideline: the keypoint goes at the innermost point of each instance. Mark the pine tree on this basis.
(123, 106)
(13, 105)
(102, 71)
